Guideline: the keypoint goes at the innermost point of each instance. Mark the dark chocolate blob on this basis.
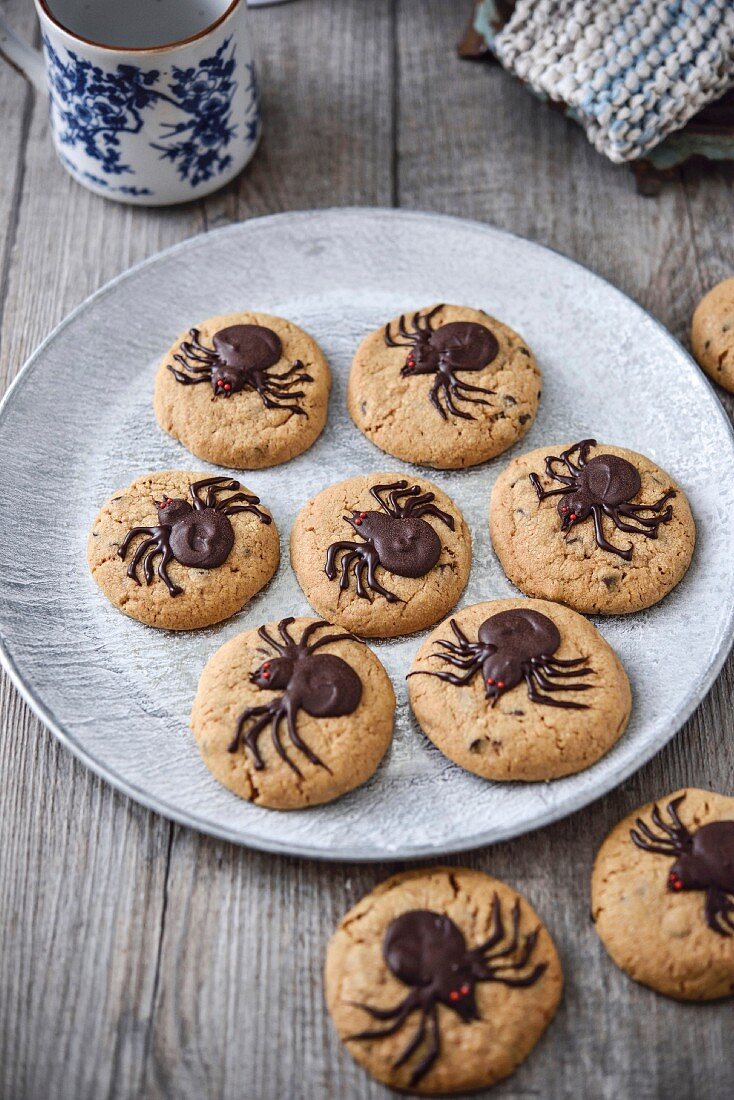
(705, 860)
(197, 533)
(396, 537)
(456, 346)
(512, 646)
(427, 952)
(241, 359)
(598, 487)
(321, 684)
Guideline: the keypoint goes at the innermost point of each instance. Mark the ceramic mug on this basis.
(150, 102)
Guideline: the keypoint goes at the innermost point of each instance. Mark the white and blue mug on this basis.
(150, 102)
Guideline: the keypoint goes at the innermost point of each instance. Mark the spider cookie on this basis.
(662, 895)
(182, 550)
(446, 386)
(599, 528)
(712, 334)
(380, 555)
(441, 980)
(293, 714)
(519, 689)
(245, 390)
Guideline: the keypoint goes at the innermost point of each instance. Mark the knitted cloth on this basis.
(630, 71)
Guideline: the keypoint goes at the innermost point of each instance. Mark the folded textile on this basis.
(630, 71)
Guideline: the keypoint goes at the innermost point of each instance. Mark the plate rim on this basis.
(584, 797)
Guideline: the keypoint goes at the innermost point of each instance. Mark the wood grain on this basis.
(140, 959)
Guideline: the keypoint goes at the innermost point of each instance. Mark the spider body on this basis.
(598, 487)
(321, 684)
(512, 646)
(704, 861)
(456, 346)
(195, 533)
(428, 953)
(396, 537)
(241, 359)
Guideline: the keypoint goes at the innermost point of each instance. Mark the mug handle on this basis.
(24, 58)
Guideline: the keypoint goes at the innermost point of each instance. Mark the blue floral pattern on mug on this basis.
(95, 109)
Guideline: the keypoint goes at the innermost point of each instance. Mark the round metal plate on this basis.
(78, 424)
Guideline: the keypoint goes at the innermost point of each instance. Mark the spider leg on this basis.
(275, 737)
(250, 739)
(448, 397)
(719, 909)
(672, 809)
(567, 663)
(392, 342)
(407, 493)
(601, 541)
(535, 696)
(548, 685)
(457, 662)
(414, 1043)
(449, 677)
(432, 510)
(269, 404)
(347, 561)
(460, 650)
(329, 639)
(426, 319)
(185, 379)
(433, 1051)
(334, 549)
(213, 485)
(673, 832)
(498, 930)
(295, 366)
(648, 842)
(546, 666)
(648, 528)
(656, 506)
(204, 368)
(196, 342)
(298, 740)
(262, 631)
(370, 559)
(283, 630)
(151, 532)
(141, 551)
(166, 557)
(543, 493)
(398, 1015)
(433, 396)
(377, 489)
(583, 449)
(550, 463)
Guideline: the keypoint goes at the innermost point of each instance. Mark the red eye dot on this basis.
(453, 995)
(572, 517)
(465, 990)
(358, 523)
(363, 515)
(266, 675)
(674, 881)
(490, 679)
(564, 508)
(500, 683)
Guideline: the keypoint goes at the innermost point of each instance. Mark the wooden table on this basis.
(140, 959)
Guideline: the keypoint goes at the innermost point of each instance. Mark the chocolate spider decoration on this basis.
(197, 534)
(241, 360)
(705, 861)
(396, 537)
(322, 684)
(512, 646)
(601, 486)
(457, 346)
(427, 951)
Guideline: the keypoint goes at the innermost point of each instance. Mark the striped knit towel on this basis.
(630, 71)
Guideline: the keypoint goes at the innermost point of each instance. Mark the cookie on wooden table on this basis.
(712, 334)
(293, 714)
(245, 390)
(519, 689)
(381, 555)
(182, 550)
(446, 386)
(600, 528)
(662, 895)
(441, 980)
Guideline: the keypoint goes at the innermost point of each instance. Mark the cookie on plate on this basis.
(602, 529)
(519, 689)
(380, 555)
(182, 550)
(293, 714)
(441, 980)
(447, 386)
(712, 333)
(245, 390)
(662, 895)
